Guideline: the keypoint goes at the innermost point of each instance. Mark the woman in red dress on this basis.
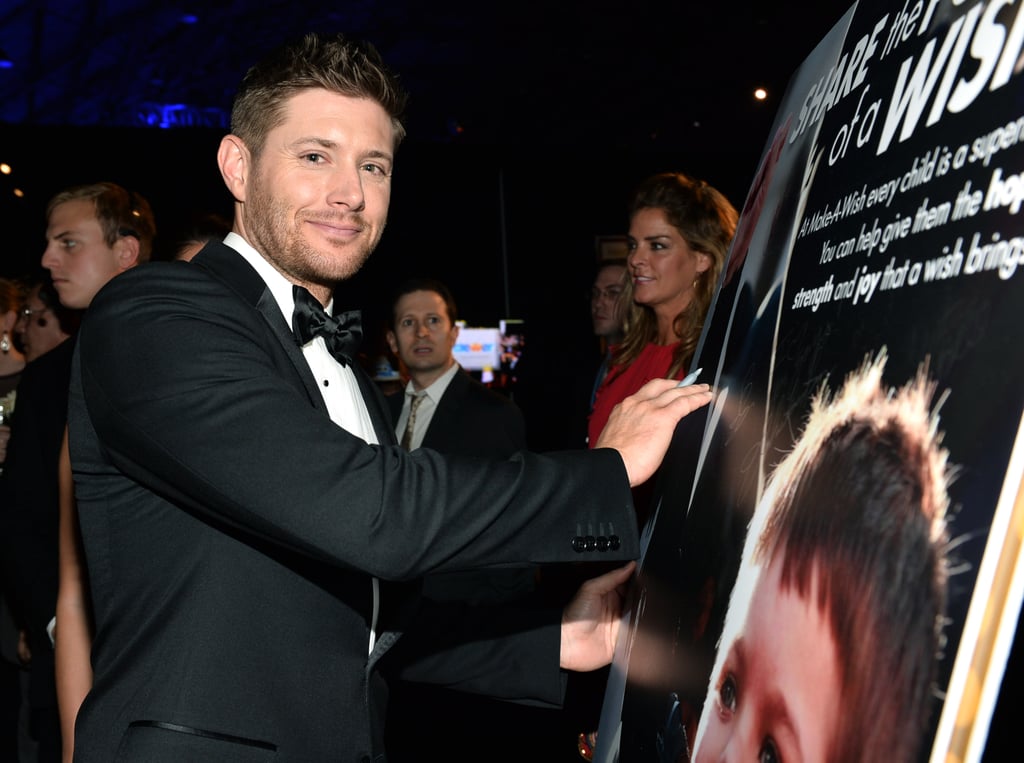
(679, 234)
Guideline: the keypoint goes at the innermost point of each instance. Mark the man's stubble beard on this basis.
(276, 236)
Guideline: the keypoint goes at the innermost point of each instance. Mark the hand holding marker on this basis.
(690, 378)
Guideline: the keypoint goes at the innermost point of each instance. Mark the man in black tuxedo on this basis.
(252, 533)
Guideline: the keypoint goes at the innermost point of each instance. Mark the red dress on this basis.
(653, 362)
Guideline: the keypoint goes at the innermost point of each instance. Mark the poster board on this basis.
(881, 236)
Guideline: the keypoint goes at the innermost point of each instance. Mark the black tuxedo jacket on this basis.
(231, 530)
(471, 420)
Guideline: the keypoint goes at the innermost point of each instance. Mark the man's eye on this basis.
(313, 157)
(727, 692)
(769, 753)
(433, 320)
(68, 243)
(374, 169)
(406, 323)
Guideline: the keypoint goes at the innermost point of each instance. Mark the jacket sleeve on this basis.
(191, 392)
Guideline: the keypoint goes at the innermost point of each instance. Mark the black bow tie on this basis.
(341, 333)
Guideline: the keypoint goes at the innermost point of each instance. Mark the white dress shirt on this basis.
(338, 383)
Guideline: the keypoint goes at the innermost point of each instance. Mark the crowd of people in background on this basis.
(93, 232)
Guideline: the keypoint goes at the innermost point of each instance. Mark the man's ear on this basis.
(234, 161)
(390, 336)
(126, 250)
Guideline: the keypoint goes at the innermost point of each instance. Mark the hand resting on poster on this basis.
(590, 622)
(641, 426)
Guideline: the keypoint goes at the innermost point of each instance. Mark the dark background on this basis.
(529, 123)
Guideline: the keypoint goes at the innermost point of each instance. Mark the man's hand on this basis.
(590, 622)
(641, 426)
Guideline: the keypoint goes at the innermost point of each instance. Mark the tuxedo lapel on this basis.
(230, 267)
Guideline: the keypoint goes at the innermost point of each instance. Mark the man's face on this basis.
(604, 300)
(776, 695)
(39, 329)
(424, 335)
(77, 256)
(315, 201)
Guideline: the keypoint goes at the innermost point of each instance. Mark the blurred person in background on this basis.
(12, 359)
(94, 232)
(197, 231)
(44, 322)
(606, 314)
(679, 234)
(12, 648)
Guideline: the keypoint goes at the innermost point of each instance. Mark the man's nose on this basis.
(49, 259)
(346, 188)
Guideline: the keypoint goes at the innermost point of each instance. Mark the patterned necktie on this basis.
(341, 333)
(411, 423)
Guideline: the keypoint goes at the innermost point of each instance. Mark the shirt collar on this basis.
(436, 390)
(280, 287)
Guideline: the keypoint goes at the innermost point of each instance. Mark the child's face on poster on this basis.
(776, 696)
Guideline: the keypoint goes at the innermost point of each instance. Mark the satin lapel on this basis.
(230, 267)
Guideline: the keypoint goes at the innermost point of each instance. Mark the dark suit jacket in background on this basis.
(471, 420)
(432, 721)
(231, 529)
(29, 516)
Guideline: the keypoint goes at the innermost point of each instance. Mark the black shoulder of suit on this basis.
(485, 393)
